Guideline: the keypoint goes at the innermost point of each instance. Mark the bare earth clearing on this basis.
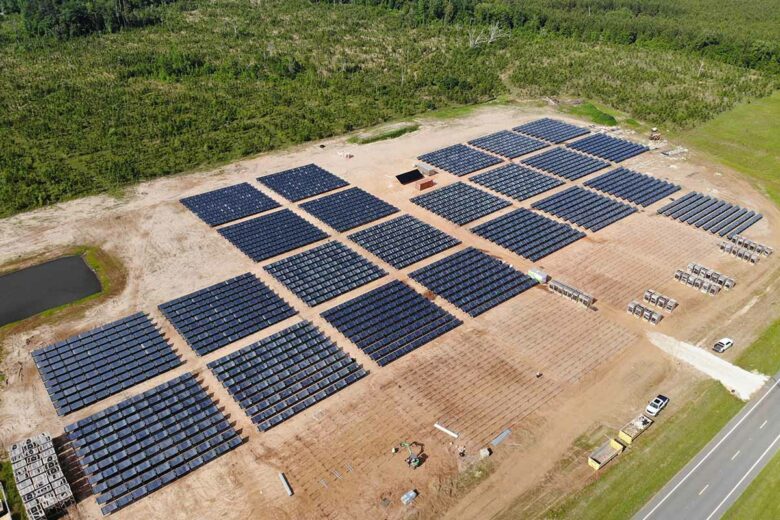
(598, 366)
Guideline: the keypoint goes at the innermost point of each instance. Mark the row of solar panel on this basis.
(632, 186)
(565, 163)
(608, 147)
(459, 159)
(711, 214)
(585, 208)
(460, 203)
(516, 181)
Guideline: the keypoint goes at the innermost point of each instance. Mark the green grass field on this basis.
(14, 500)
(761, 500)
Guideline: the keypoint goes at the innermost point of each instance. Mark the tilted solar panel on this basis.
(302, 182)
(460, 203)
(516, 181)
(508, 144)
(551, 130)
(349, 209)
(459, 159)
(228, 204)
(585, 208)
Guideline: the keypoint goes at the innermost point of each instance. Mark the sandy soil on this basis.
(598, 366)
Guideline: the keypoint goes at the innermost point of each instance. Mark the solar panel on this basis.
(508, 144)
(473, 281)
(459, 159)
(585, 208)
(391, 321)
(551, 130)
(320, 274)
(565, 163)
(96, 364)
(227, 204)
(633, 186)
(220, 314)
(404, 241)
(607, 147)
(282, 375)
(302, 182)
(136, 447)
(349, 209)
(711, 214)
(528, 234)
(460, 203)
(516, 181)
(267, 236)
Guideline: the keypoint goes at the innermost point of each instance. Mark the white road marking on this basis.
(762, 425)
(707, 455)
(744, 477)
(735, 455)
(703, 489)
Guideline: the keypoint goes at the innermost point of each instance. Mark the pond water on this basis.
(35, 289)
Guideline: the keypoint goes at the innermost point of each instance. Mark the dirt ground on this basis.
(598, 366)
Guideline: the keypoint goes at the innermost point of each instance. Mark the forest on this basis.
(202, 83)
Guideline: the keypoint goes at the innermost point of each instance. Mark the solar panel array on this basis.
(516, 181)
(711, 214)
(282, 375)
(302, 182)
(460, 203)
(585, 208)
(391, 321)
(93, 365)
(320, 274)
(227, 204)
(404, 241)
(608, 147)
(632, 186)
(528, 234)
(134, 448)
(551, 130)
(264, 237)
(508, 144)
(225, 312)
(459, 159)
(349, 209)
(565, 163)
(473, 281)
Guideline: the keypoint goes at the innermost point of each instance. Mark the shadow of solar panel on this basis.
(607, 147)
(391, 321)
(460, 203)
(213, 317)
(566, 164)
(508, 144)
(551, 130)
(473, 281)
(528, 234)
(302, 182)
(93, 365)
(322, 273)
(264, 237)
(711, 214)
(585, 208)
(349, 209)
(136, 447)
(403, 241)
(459, 159)
(516, 181)
(228, 204)
(284, 374)
(633, 186)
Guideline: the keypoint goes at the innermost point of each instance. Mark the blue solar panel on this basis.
(633, 186)
(302, 182)
(528, 234)
(93, 365)
(391, 321)
(349, 209)
(282, 375)
(711, 214)
(551, 130)
(516, 181)
(609, 148)
(134, 448)
(322, 273)
(225, 312)
(508, 144)
(459, 159)
(460, 203)
(264, 237)
(566, 164)
(227, 204)
(404, 241)
(473, 281)
(585, 208)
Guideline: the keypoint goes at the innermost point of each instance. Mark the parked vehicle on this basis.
(655, 406)
(723, 345)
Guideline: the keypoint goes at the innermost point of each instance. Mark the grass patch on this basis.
(383, 135)
(14, 500)
(764, 354)
(760, 498)
(593, 113)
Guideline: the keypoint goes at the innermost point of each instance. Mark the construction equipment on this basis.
(655, 135)
(414, 460)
